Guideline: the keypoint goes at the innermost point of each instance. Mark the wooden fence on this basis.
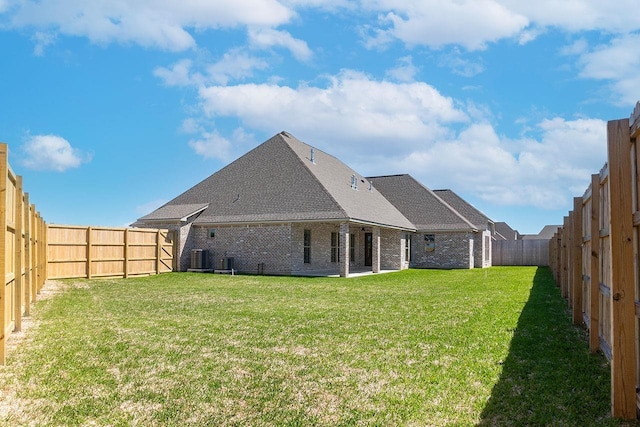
(595, 260)
(23, 263)
(88, 252)
(520, 252)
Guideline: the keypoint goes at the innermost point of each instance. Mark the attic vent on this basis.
(313, 156)
(354, 182)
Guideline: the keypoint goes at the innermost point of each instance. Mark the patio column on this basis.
(344, 249)
(375, 258)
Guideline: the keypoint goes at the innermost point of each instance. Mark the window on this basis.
(307, 246)
(212, 233)
(430, 242)
(335, 247)
(352, 247)
(407, 247)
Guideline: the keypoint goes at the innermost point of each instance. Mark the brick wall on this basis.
(391, 249)
(451, 250)
(249, 246)
(280, 247)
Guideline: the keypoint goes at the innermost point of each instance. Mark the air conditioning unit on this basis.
(199, 259)
(225, 263)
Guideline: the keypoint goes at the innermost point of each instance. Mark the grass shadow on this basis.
(549, 376)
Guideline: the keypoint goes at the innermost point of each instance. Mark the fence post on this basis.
(89, 232)
(158, 251)
(576, 262)
(27, 255)
(594, 288)
(126, 253)
(565, 258)
(19, 299)
(3, 249)
(623, 369)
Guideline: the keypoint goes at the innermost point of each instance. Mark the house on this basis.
(505, 232)
(546, 233)
(286, 208)
(449, 233)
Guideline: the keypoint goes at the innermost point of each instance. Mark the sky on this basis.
(113, 108)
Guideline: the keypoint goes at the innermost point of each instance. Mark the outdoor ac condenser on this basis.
(198, 259)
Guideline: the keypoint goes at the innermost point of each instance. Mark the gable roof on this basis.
(473, 215)
(277, 181)
(547, 232)
(505, 232)
(420, 205)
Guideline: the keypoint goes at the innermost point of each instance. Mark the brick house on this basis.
(450, 233)
(288, 208)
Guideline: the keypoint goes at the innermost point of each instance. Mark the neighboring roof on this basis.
(419, 204)
(175, 212)
(473, 215)
(505, 232)
(276, 181)
(547, 233)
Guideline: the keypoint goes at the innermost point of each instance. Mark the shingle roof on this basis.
(473, 215)
(505, 232)
(547, 232)
(276, 181)
(420, 205)
(175, 212)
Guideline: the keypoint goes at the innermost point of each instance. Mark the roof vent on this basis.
(370, 185)
(313, 156)
(354, 182)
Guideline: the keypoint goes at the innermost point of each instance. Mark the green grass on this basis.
(490, 347)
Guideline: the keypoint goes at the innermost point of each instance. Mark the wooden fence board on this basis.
(108, 252)
(18, 261)
(594, 264)
(520, 252)
(623, 363)
(609, 266)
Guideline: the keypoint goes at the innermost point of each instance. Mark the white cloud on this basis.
(437, 23)
(179, 74)
(381, 127)
(42, 40)
(579, 15)
(459, 65)
(146, 22)
(405, 71)
(51, 152)
(618, 62)
(212, 145)
(544, 173)
(268, 37)
(235, 65)
(352, 107)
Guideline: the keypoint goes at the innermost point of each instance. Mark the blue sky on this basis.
(112, 108)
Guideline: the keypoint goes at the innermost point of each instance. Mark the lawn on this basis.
(418, 347)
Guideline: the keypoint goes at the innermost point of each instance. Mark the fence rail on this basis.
(594, 260)
(520, 252)
(22, 263)
(88, 252)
